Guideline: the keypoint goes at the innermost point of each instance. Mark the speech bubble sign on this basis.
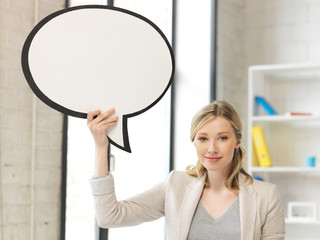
(93, 57)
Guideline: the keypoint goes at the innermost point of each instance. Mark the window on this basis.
(148, 164)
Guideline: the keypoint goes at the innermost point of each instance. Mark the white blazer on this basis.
(261, 211)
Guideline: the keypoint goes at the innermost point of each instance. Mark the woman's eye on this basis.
(202, 138)
(223, 138)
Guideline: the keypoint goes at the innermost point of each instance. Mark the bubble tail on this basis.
(125, 147)
(125, 136)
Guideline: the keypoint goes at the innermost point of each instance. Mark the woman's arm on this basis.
(274, 227)
(98, 124)
(109, 211)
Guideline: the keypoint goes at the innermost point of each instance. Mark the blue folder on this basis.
(265, 105)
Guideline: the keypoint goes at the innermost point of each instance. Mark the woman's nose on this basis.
(213, 148)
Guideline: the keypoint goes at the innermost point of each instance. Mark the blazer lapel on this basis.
(248, 208)
(188, 207)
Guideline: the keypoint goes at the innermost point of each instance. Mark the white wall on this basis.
(231, 69)
(254, 32)
(30, 173)
(281, 31)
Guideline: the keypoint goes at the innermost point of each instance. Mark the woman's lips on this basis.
(213, 159)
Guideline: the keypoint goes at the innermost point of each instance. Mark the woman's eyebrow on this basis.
(223, 133)
(202, 133)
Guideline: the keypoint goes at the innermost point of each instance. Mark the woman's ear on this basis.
(238, 144)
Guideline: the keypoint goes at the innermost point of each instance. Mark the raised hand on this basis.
(99, 123)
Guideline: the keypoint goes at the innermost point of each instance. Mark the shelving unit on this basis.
(288, 88)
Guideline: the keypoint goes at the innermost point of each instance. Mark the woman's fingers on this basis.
(92, 115)
(99, 122)
(109, 123)
(111, 120)
(97, 117)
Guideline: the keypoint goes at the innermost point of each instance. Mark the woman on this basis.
(217, 199)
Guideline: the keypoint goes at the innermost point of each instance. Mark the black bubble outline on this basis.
(54, 105)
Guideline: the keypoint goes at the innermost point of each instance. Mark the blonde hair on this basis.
(225, 110)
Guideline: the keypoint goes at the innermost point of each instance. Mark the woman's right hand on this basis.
(99, 123)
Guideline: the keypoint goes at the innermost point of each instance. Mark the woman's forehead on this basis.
(217, 124)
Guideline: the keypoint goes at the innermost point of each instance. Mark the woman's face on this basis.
(215, 143)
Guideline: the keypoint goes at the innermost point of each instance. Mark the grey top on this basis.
(226, 227)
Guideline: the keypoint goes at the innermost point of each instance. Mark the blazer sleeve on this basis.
(274, 226)
(110, 212)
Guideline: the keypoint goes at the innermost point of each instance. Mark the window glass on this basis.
(80, 219)
(134, 172)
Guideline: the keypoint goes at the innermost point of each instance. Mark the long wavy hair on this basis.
(224, 110)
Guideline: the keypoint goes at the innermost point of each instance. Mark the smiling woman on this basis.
(215, 143)
(216, 133)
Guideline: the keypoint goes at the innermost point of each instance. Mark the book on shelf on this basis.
(261, 101)
(255, 162)
(298, 114)
(260, 147)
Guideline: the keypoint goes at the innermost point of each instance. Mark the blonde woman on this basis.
(216, 199)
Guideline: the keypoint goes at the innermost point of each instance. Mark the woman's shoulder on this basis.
(180, 178)
(262, 188)
(256, 185)
(262, 185)
(179, 183)
(266, 189)
(181, 175)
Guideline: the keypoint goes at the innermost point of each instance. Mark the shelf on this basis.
(302, 222)
(283, 118)
(286, 67)
(286, 169)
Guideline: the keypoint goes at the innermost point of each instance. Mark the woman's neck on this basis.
(216, 181)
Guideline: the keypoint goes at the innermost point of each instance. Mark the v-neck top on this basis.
(226, 227)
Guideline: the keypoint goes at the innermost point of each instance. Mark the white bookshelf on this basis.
(286, 169)
(315, 223)
(288, 88)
